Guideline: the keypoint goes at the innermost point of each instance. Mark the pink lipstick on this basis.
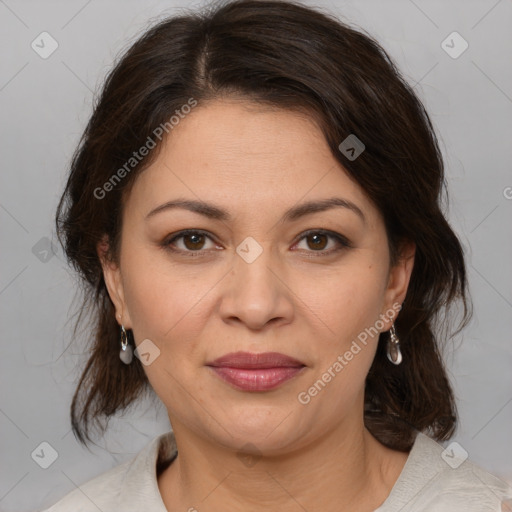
(256, 372)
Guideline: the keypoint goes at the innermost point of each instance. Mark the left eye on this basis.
(193, 242)
(319, 239)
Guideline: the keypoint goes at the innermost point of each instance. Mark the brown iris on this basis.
(197, 240)
(317, 244)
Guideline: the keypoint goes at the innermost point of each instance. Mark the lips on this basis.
(256, 372)
(246, 360)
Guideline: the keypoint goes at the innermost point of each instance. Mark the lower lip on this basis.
(258, 379)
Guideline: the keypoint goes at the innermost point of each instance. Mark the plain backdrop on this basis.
(45, 104)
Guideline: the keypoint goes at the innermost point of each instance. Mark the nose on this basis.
(256, 291)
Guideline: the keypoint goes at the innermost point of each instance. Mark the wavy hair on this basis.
(286, 55)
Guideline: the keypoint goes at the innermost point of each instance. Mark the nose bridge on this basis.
(256, 289)
(252, 272)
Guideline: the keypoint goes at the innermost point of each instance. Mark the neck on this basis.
(346, 469)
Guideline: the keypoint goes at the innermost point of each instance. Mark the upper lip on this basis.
(251, 361)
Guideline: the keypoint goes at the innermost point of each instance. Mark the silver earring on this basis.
(126, 352)
(394, 352)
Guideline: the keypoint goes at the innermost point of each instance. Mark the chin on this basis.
(259, 431)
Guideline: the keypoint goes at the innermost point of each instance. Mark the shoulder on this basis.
(128, 486)
(98, 493)
(438, 479)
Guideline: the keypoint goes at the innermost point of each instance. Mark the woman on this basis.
(255, 208)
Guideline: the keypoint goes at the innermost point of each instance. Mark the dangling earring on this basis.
(394, 352)
(126, 352)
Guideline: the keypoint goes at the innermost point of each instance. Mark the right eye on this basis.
(193, 242)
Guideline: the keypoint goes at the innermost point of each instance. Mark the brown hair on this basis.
(288, 56)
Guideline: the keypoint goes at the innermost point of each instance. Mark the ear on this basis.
(113, 282)
(398, 282)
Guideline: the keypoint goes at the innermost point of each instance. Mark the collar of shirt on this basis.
(433, 478)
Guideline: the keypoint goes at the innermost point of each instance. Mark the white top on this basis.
(432, 480)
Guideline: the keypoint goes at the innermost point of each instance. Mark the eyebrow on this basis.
(216, 213)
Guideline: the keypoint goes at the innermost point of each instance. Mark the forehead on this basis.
(244, 155)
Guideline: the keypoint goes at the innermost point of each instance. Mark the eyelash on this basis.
(343, 242)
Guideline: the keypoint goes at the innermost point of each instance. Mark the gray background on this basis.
(45, 104)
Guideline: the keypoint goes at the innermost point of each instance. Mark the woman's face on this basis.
(254, 280)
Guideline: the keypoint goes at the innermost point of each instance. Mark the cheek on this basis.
(160, 304)
(165, 307)
(348, 305)
(166, 301)
(344, 301)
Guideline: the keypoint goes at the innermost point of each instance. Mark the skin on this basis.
(295, 298)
